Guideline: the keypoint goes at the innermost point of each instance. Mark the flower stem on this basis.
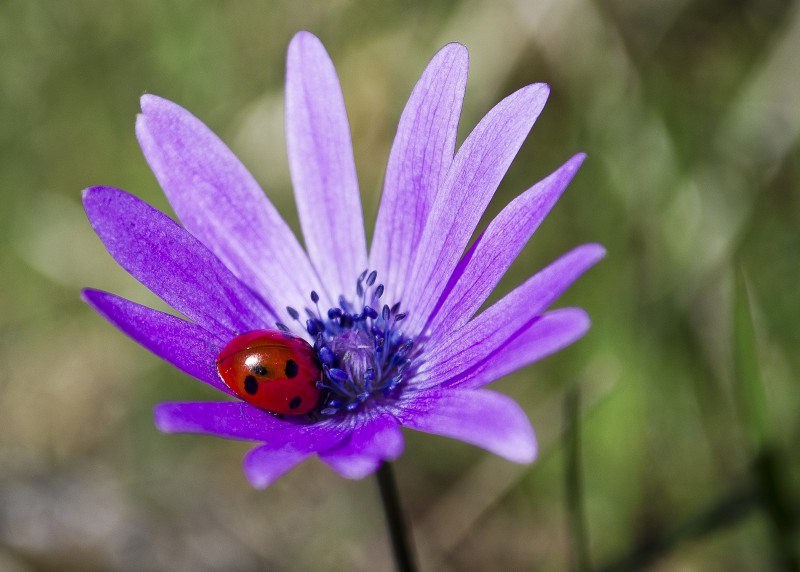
(398, 531)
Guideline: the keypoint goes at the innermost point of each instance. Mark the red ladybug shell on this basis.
(272, 370)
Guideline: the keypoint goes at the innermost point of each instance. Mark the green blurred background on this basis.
(688, 383)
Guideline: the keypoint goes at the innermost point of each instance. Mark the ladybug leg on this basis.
(275, 415)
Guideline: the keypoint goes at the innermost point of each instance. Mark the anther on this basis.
(338, 375)
(292, 312)
(326, 356)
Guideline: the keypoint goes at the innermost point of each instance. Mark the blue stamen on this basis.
(338, 375)
(363, 353)
(326, 356)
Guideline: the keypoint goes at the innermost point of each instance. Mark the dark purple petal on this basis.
(322, 167)
(239, 420)
(490, 257)
(351, 465)
(187, 346)
(421, 155)
(477, 170)
(227, 419)
(219, 202)
(477, 416)
(265, 464)
(372, 441)
(454, 352)
(172, 263)
(543, 336)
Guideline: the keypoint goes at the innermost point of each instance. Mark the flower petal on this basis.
(239, 420)
(376, 440)
(264, 464)
(220, 203)
(353, 465)
(421, 156)
(542, 337)
(456, 352)
(227, 419)
(491, 255)
(477, 416)
(477, 170)
(172, 263)
(187, 346)
(322, 167)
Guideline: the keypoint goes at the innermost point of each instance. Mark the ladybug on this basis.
(273, 370)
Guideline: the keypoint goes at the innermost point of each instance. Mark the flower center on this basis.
(363, 353)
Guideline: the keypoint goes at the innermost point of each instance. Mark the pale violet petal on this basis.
(220, 202)
(477, 170)
(459, 351)
(541, 337)
(492, 254)
(421, 156)
(322, 166)
(481, 417)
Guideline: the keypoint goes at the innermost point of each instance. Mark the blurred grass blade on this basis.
(768, 466)
(749, 387)
(573, 488)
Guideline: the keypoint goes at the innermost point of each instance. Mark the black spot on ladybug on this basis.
(250, 385)
(291, 368)
(295, 403)
(260, 370)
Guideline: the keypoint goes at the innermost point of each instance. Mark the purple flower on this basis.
(401, 343)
